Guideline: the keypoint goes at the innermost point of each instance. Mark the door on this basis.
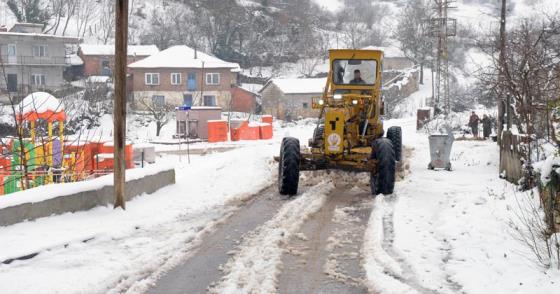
(12, 54)
(191, 82)
(12, 82)
(187, 100)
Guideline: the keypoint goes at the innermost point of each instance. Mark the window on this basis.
(354, 72)
(187, 99)
(191, 81)
(158, 100)
(40, 51)
(38, 80)
(175, 79)
(305, 105)
(152, 78)
(12, 82)
(212, 79)
(12, 53)
(106, 68)
(209, 100)
(11, 49)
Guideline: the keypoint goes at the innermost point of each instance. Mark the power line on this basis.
(442, 27)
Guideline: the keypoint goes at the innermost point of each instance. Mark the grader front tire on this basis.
(288, 167)
(382, 181)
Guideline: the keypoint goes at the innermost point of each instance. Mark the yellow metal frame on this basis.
(357, 100)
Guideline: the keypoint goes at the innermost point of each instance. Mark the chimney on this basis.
(195, 53)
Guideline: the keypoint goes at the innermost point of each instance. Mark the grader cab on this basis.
(349, 132)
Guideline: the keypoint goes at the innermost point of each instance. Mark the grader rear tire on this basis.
(288, 167)
(382, 181)
(395, 135)
(318, 134)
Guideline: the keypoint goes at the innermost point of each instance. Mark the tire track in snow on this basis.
(387, 270)
(255, 265)
(406, 274)
(203, 265)
(325, 257)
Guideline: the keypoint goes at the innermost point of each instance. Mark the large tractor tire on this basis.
(288, 167)
(318, 135)
(395, 135)
(382, 181)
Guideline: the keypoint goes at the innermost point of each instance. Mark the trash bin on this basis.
(440, 151)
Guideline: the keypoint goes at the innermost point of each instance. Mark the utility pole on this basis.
(119, 114)
(503, 104)
(442, 27)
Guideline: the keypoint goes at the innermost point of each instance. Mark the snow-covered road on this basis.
(441, 232)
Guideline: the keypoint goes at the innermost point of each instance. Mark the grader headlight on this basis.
(337, 96)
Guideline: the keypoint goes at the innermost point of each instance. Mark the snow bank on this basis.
(545, 168)
(380, 268)
(452, 229)
(45, 192)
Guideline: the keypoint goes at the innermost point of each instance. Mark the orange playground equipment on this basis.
(41, 154)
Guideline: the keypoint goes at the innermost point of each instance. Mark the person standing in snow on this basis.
(486, 126)
(473, 123)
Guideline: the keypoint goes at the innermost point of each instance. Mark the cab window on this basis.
(354, 72)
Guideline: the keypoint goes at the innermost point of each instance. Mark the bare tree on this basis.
(160, 113)
(413, 33)
(86, 11)
(530, 228)
(57, 10)
(105, 27)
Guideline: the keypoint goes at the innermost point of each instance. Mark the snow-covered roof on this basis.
(253, 88)
(388, 51)
(299, 86)
(98, 79)
(132, 50)
(183, 57)
(39, 102)
(65, 39)
(75, 60)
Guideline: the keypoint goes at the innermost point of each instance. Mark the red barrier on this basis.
(267, 119)
(251, 132)
(217, 131)
(265, 131)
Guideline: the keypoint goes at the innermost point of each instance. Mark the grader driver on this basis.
(349, 134)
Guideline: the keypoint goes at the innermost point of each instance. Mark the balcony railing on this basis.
(33, 60)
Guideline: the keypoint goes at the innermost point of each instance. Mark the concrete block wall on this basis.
(84, 200)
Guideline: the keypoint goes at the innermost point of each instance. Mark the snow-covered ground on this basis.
(451, 231)
(107, 251)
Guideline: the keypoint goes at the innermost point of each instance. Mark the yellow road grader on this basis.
(349, 133)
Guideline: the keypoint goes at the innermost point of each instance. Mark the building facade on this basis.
(32, 61)
(290, 99)
(181, 76)
(243, 100)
